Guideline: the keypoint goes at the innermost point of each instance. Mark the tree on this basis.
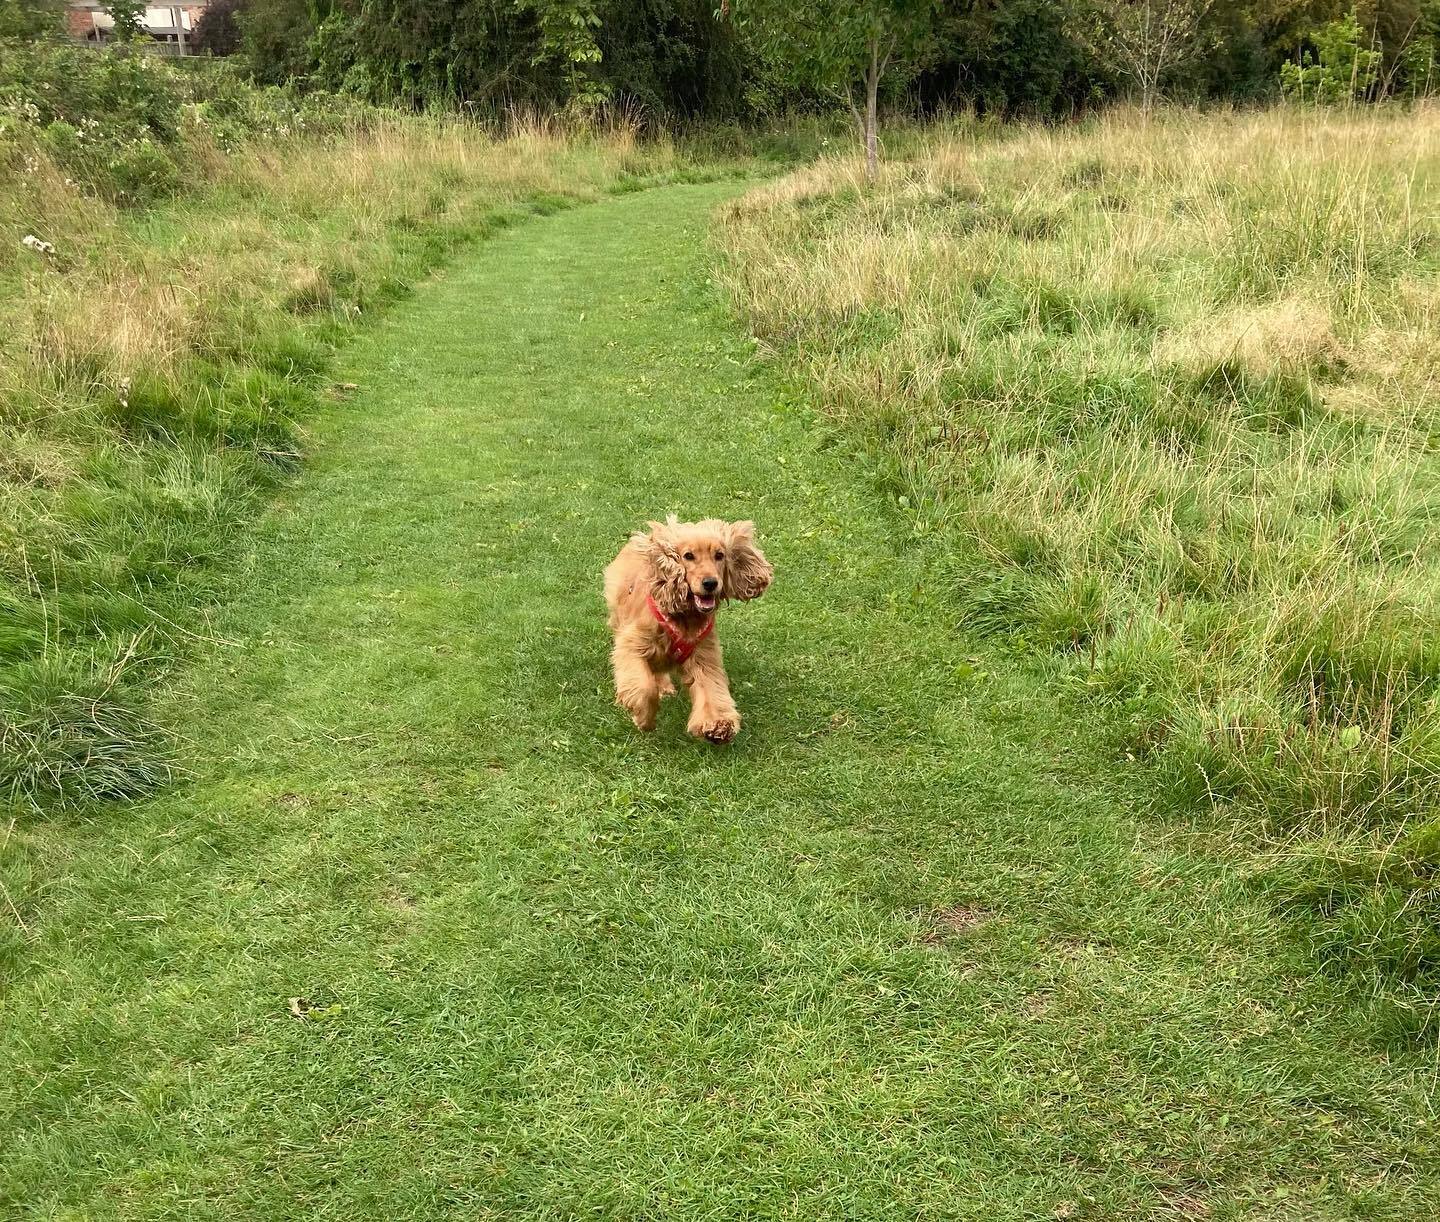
(275, 38)
(129, 18)
(1008, 57)
(217, 32)
(567, 38)
(1347, 69)
(498, 53)
(653, 57)
(27, 18)
(1417, 66)
(1146, 40)
(672, 57)
(835, 46)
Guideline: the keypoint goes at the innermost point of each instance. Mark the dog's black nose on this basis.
(710, 583)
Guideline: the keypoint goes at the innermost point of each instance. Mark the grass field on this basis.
(1165, 393)
(157, 365)
(427, 928)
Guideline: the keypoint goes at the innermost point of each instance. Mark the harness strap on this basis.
(681, 646)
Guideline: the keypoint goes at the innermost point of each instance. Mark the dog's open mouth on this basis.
(704, 602)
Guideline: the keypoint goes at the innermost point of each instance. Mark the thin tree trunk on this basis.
(872, 90)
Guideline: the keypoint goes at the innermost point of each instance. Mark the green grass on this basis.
(1162, 388)
(157, 369)
(911, 948)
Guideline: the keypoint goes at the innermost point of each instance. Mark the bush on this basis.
(1419, 69)
(276, 37)
(28, 18)
(1346, 70)
(110, 120)
(143, 171)
(117, 95)
(1017, 58)
(134, 128)
(218, 31)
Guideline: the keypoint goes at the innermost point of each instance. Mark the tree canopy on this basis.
(740, 59)
(842, 47)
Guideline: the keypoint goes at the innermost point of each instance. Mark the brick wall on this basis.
(79, 23)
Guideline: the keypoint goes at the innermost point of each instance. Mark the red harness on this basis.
(681, 646)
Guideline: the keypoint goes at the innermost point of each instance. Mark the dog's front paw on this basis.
(717, 729)
(665, 685)
(644, 720)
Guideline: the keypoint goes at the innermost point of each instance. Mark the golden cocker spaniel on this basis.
(663, 590)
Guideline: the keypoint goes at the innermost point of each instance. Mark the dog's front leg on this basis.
(635, 687)
(713, 714)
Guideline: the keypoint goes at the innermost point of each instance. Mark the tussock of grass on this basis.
(154, 371)
(1168, 389)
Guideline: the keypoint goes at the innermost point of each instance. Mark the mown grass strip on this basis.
(161, 363)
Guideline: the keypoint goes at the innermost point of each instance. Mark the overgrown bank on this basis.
(1168, 393)
(179, 257)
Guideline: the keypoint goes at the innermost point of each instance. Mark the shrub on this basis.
(134, 128)
(28, 18)
(218, 32)
(1419, 69)
(143, 171)
(1346, 69)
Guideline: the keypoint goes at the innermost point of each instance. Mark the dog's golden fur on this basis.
(688, 568)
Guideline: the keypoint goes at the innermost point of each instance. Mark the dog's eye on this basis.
(719, 555)
(689, 555)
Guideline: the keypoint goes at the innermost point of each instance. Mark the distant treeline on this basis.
(692, 58)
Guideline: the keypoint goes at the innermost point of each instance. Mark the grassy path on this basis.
(900, 952)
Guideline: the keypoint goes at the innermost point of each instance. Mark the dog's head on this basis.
(696, 564)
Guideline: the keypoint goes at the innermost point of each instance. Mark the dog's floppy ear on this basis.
(668, 586)
(747, 572)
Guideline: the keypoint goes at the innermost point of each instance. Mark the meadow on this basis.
(426, 928)
(1162, 392)
(1097, 692)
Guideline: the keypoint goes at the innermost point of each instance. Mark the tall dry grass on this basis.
(1169, 390)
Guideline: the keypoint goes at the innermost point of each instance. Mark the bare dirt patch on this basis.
(954, 921)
